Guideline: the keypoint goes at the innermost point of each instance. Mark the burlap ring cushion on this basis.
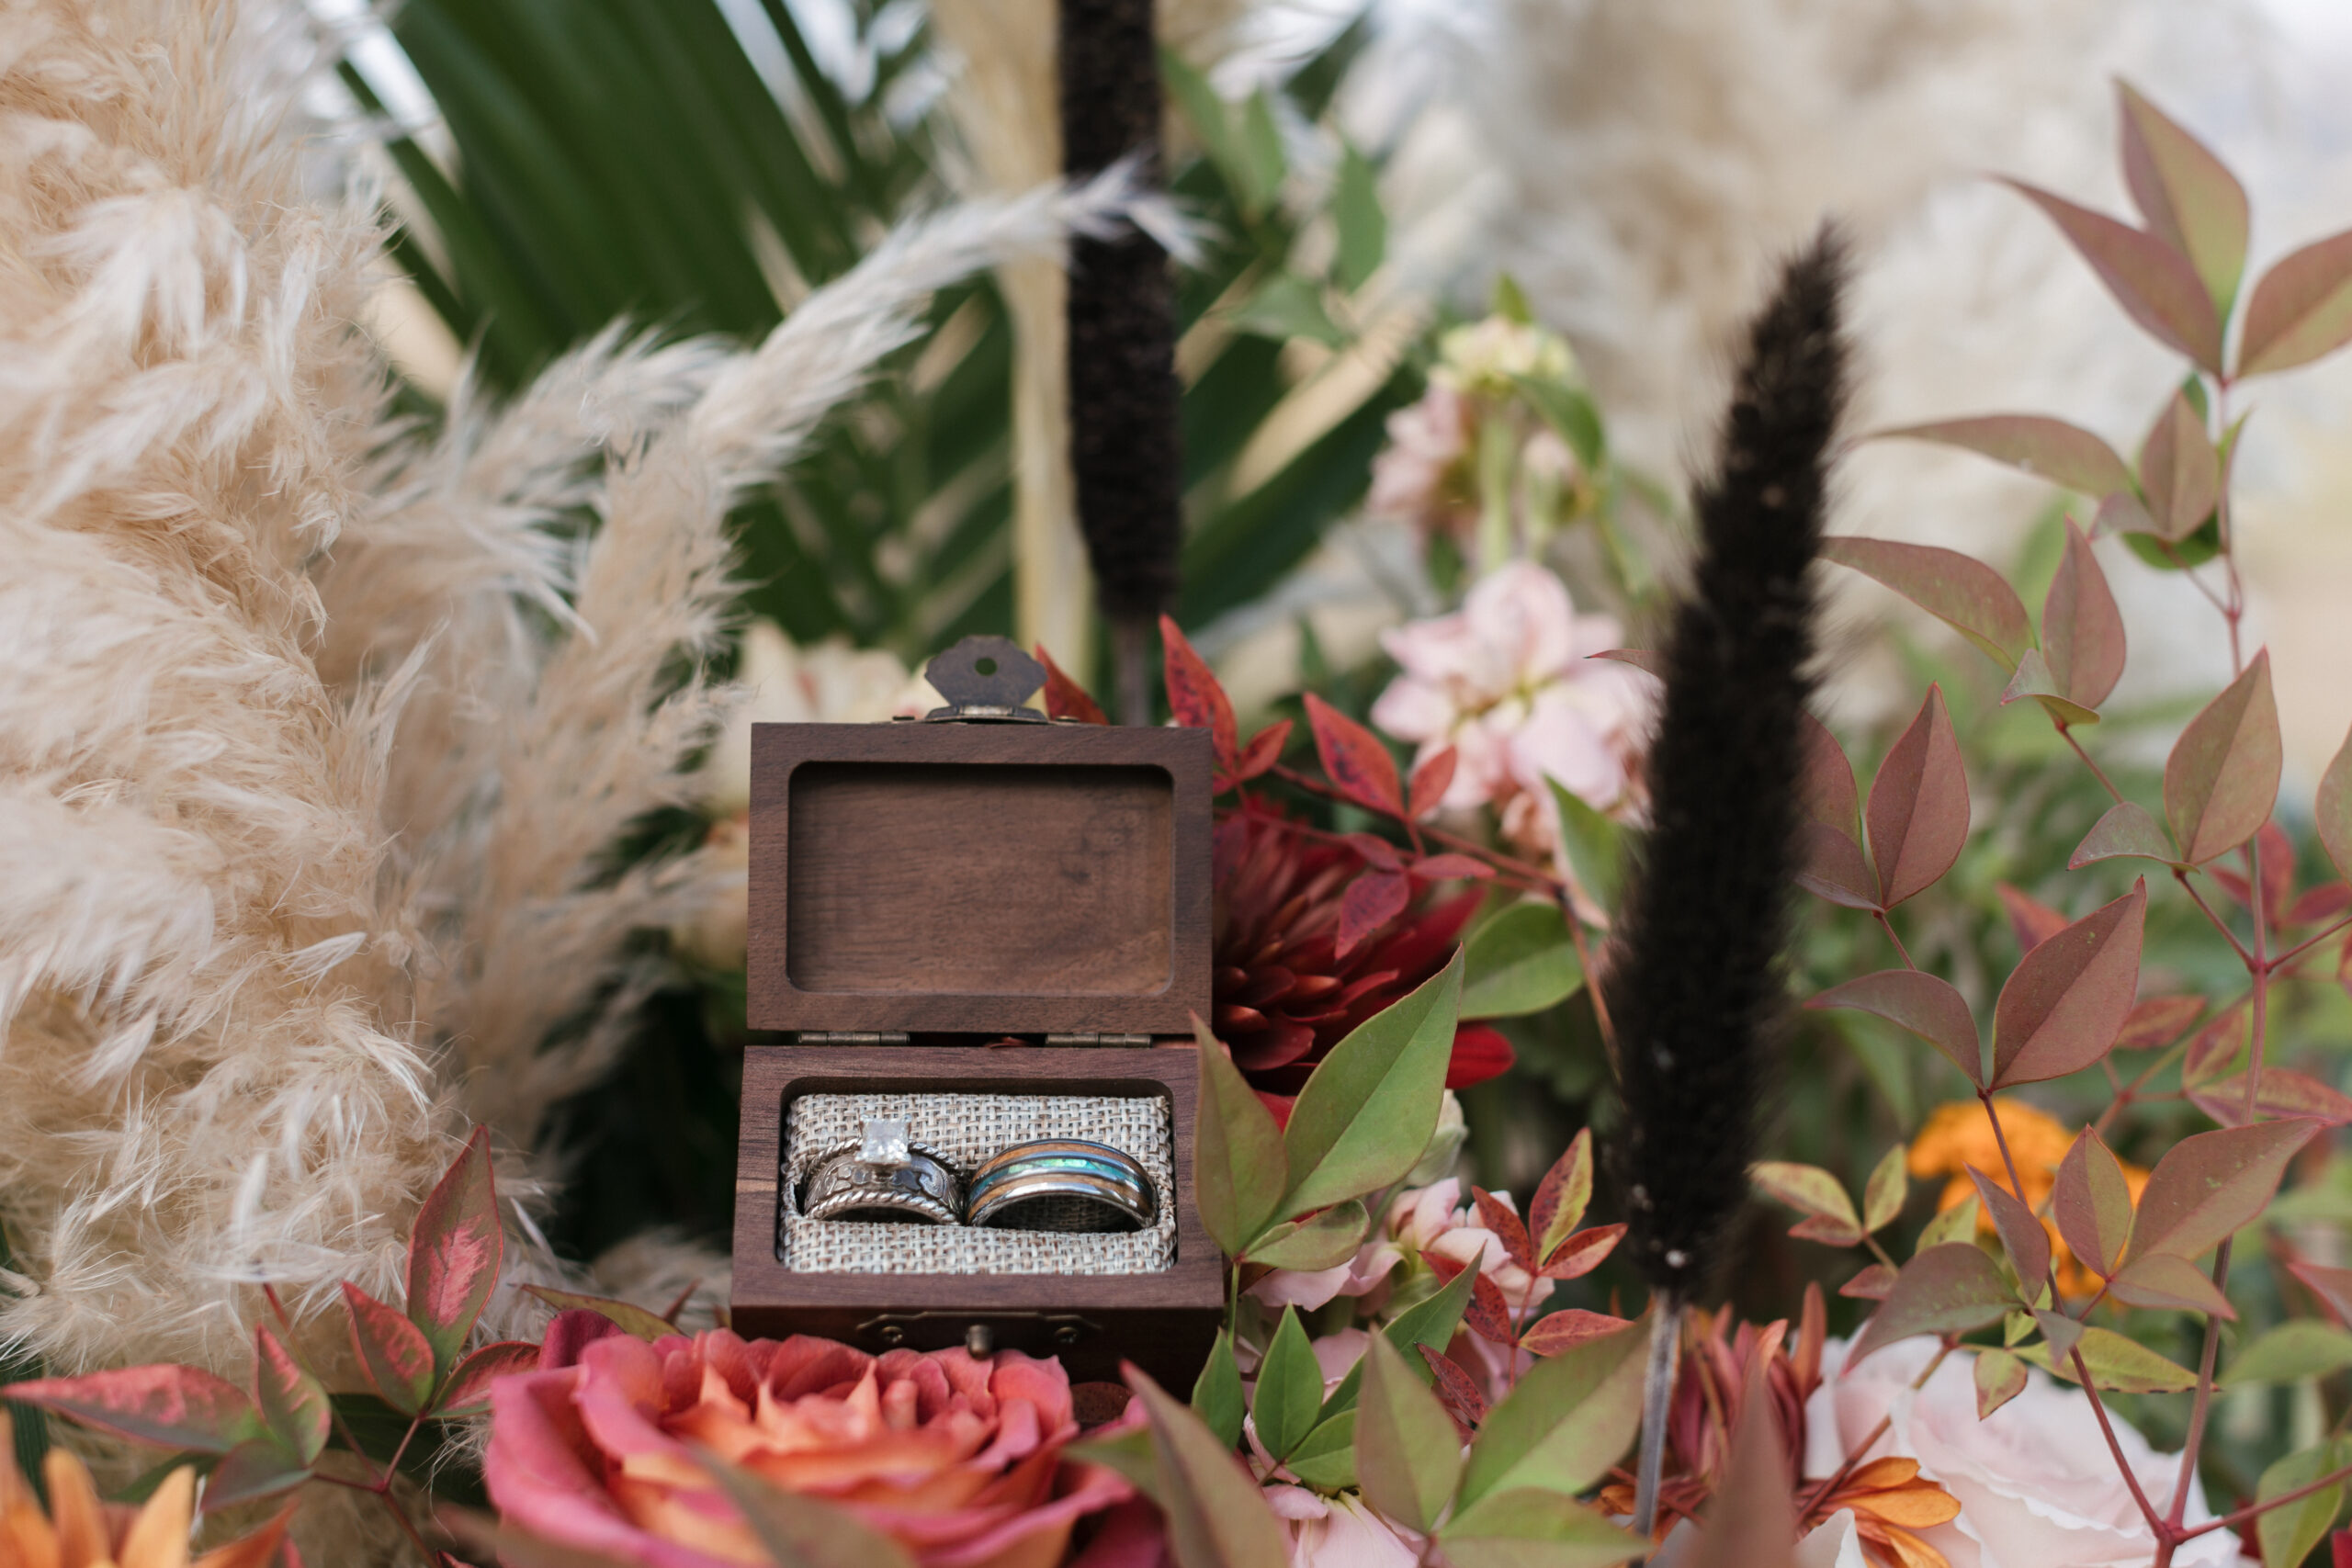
(964, 1130)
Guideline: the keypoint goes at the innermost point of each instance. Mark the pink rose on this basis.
(2037, 1485)
(1340, 1532)
(957, 1458)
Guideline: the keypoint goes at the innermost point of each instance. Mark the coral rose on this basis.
(956, 1458)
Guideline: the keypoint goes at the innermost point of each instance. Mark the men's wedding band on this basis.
(918, 1188)
(1061, 1184)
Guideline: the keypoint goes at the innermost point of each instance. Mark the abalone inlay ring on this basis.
(1062, 1184)
(884, 1178)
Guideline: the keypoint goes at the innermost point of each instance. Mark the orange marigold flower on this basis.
(77, 1531)
(1959, 1135)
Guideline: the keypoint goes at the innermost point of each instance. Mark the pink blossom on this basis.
(1423, 474)
(1340, 1532)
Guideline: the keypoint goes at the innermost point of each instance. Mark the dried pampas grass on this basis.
(314, 727)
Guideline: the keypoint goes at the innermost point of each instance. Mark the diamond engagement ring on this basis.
(884, 1178)
(1062, 1184)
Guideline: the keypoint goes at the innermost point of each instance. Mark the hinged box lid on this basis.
(1001, 878)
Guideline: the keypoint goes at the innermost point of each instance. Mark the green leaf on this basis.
(2180, 473)
(633, 1319)
(1521, 961)
(1363, 226)
(1944, 1289)
(1963, 593)
(2118, 1365)
(1290, 1388)
(394, 1352)
(1561, 1196)
(292, 1402)
(1368, 1109)
(454, 1252)
(1239, 1167)
(1264, 165)
(1594, 848)
(1285, 306)
(1815, 1192)
(2303, 1348)
(1408, 1453)
(1216, 1517)
(2153, 283)
(1956, 1223)
(1570, 413)
(1890, 1184)
(1430, 1322)
(2092, 1204)
(804, 1530)
(1535, 1528)
(1567, 1419)
(2288, 1532)
(2051, 449)
(1326, 1460)
(1927, 1006)
(2062, 1007)
(2125, 831)
(2223, 776)
(1323, 1240)
(2000, 1376)
(2302, 310)
(1216, 1393)
(2210, 1185)
(2189, 198)
(259, 1468)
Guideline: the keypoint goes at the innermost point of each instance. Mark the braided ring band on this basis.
(1062, 1184)
(922, 1189)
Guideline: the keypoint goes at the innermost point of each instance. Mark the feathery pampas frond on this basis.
(1696, 987)
(313, 731)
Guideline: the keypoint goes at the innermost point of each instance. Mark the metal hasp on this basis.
(986, 679)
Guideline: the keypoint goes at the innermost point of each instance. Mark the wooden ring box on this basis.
(957, 880)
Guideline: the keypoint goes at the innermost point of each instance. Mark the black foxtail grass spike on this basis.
(1123, 391)
(1696, 986)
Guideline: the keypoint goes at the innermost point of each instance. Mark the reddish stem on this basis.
(2290, 954)
(2255, 1510)
(1888, 927)
(2067, 733)
(2131, 1479)
(2219, 924)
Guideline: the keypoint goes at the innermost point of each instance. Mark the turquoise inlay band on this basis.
(1119, 1172)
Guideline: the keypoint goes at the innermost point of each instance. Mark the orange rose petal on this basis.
(27, 1530)
(1914, 1508)
(158, 1535)
(254, 1551)
(1910, 1551)
(82, 1535)
(1891, 1471)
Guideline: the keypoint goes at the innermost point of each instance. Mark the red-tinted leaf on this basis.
(2022, 1236)
(2092, 1204)
(2162, 1283)
(1451, 868)
(2179, 471)
(1871, 1284)
(2122, 513)
(454, 1253)
(2223, 776)
(1561, 1196)
(1556, 1333)
(1065, 698)
(1498, 1217)
(1375, 852)
(292, 1402)
(1834, 868)
(2031, 920)
(1431, 778)
(2066, 1001)
(2324, 902)
(1488, 1316)
(259, 1468)
(2284, 1093)
(2217, 1044)
(1963, 593)
(173, 1407)
(468, 1390)
(1354, 759)
(1265, 749)
(631, 1318)
(1830, 795)
(2300, 311)
(393, 1351)
(1480, 1052)
(2211, 1184)
(1371, 901)
(1456, 1392)
(1816, 1193)
(2125, 832)
(2189, 198)
(1647, 661)
(2333, 809)
(2153, 283)
(1918, 807)
(2159, 1020)
(2333, 1286)
(1195, 696)
(2033, 679)
(2082, 631)
(1945, 1290)
(1927, 1006)
(1582, 1253)
(2063, 454)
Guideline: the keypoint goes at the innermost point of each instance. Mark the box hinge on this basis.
(851, 1037)
(1098, 1039)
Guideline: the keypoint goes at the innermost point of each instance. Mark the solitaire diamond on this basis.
(885, 1142)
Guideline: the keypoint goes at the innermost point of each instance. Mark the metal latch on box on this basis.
(850, 1037)
(1098, 1039)
(980, 1333)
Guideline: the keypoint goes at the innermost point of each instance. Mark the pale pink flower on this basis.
(1340, 1532)
(1422, 475)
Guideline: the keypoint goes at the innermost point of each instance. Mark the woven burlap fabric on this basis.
(964, 1130)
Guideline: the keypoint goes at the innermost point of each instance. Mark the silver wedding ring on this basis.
(884, 1178)
(1061, 1184)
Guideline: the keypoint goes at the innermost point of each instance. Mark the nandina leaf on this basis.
(1408, 1451)
(1882, 1197)
(1065, 698)
(1196, 697)
(1918, 806)
(292, 1403)
(1216, 1393)
(1354, 759)
(1214, 1511)
(1485, 1313)
(2300, 311)
(2123, 1365)
(1871, 1284)
(1591, 844)
(1927, 1006)
(2283, 1092)
(1265, 749)
(2223, 776)
(2092, 1204)
(1375, 851)
(1830, 795)
(1287, 1401)
(2287, 1531)
(1369, 1108)
(2000, 1376)
(2051, 449)
(1498, 1216)
(2031, 921)
(2082, 630)
(2211, 1184)
(2153, 283)
(2034, 680)
(2159, 1020)
(1648, 660)
(2022, 1236)
(1431, 778)
(257, 1468)
(2216, 1046)
(804, 1530)
(2333, 1286)
(454, 1253)
(468, 1390)
(1528, 1526)
(2125, 832)
(2324, 902)
(1556, 1333)
(1813, 1191)
(627, 1316)
(1945, 1290)
(176, 1407)
(1239, 1169)
(2188, 197)
(1322, 1240)
(1582, 1252)
(2162, 1282)
(1567, 1419)
(1371, 901)
(1432, 1321)
(1522, 959)
(2298, 1348)
(1561, 1196)
(2065, 1002)
(1963, 593)
(394, 1352)
(1449, 868)
(2179, 471)
(2333, 809)
(1456, 1392)
(1834, 868)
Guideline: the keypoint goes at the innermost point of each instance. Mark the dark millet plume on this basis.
(1696, 987)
